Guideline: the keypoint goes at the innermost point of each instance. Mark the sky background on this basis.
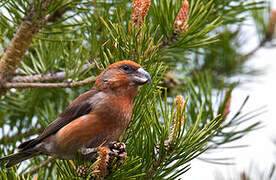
(259, 156)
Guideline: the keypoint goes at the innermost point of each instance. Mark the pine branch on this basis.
(265, 30)
(252, 52)
(20, 43)
(22, 40)
(152, 169)
(39, 78)
(49, 77)
(178, 120)
(16, 50)
(9, 85)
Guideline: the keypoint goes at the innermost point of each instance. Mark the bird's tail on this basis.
(16, 158)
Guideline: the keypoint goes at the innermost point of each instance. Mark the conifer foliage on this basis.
(52, 50)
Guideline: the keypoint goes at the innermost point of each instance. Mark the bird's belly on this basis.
(86, 131)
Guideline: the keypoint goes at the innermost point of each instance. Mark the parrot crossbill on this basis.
(98, 116)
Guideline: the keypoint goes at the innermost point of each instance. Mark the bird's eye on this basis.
(125, 67)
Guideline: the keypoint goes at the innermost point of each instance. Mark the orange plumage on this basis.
(95, 117)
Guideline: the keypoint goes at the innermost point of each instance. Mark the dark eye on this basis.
(125, 67)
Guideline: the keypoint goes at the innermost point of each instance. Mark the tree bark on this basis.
(22, 40)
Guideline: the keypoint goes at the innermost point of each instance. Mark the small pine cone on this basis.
(140, 10)
(179, 103)
(106, 155)
(118, 146)
(227, 107)
(82, 171)
(181, 21)
(179, 107)
(102, 164)
(118, 151)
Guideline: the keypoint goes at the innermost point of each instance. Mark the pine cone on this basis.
(110, 157)
(118, 151)
(82, 171)
(181, 21)
(140, 10)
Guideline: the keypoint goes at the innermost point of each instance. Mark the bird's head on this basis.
(122, 75)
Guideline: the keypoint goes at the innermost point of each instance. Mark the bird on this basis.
(96, 117)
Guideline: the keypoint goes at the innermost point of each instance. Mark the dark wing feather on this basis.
(79, 107)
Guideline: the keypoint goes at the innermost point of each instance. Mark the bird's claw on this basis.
(87, 151)
(115, 150)
(116, 155)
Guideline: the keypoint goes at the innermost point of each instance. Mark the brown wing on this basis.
(80, 106)
(86, 131)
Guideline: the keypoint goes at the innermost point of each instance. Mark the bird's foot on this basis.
(118, 151)
(110, 156)
(86, 151)
(89, 154)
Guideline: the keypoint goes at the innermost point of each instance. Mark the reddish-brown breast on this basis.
(110, 103)
(106, 123)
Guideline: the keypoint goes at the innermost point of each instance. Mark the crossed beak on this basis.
(141, 77)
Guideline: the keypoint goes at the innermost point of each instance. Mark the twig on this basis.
(97, 65)
(169, 144)
(39, 78)
(36, 169)
(10, 85)
(152, 169)
(266, 39)
(49, 77)
(57, 14)
(157, 162)
(246, 56)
